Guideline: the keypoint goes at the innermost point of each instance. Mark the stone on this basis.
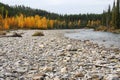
(2, 53)
(39, 76)
(112, 77)
(48, 69)
(17, 63)
(69, 47)
(64, 70)
(56, 78)
(41, 46)
(22, 69)
(2, 79)
(79, 74)
(93, 52)
(61, 59)
(67, 58)
(97, 77)
(2, 75)
(62, 54)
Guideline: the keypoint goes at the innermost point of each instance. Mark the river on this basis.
(102, 38)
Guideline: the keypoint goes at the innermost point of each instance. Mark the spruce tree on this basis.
(118, 15)
(108, 17)
(113, 15)
(104, 18)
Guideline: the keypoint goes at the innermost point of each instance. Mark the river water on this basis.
(102, 38)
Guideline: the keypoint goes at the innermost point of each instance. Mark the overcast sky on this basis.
(64, 6)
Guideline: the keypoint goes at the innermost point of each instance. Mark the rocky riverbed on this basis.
(55, 57)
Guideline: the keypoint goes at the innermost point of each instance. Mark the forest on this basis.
(21, 17)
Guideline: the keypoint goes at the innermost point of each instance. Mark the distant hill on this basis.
(16, 10)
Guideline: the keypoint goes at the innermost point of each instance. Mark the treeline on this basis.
(14, 17)
(23, 22)
(111, 17)
(58, 21)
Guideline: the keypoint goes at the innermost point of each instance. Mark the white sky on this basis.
(64, 6)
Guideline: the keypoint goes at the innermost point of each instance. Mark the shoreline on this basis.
(56, 57)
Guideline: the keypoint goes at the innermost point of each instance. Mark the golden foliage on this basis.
(22, 21)
(93, 23)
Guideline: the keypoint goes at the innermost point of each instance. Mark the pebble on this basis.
(112, 77)
(22, 69)
(79, 75)
(54, 57)
(48, 69)
(64, 70)
(39, 76)
(56, 78)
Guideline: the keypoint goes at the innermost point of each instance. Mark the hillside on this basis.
(16, 10)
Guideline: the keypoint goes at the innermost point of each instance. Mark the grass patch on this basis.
(117, 31)
(101, 28)
(38, 34)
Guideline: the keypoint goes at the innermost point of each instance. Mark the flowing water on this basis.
(102, 38)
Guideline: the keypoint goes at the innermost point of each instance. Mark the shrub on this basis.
(101, 28)
(38, 34)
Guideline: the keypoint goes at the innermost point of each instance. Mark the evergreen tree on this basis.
(108, 17)
(104, 18)
(113, 14)
(118, 15)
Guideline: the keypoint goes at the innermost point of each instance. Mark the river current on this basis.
(102, 38)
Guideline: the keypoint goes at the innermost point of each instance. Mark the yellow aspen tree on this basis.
(89, 23)
(1, 20)
(6, 26)
(32, 21)
(51, 22)
(6, 15)
(44, 23)
(21, 21)
(39, 24)
(70, 24)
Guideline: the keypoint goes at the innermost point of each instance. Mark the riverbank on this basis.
(106, 29)
(55, 57)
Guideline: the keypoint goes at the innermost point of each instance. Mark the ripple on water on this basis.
(106, 38)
